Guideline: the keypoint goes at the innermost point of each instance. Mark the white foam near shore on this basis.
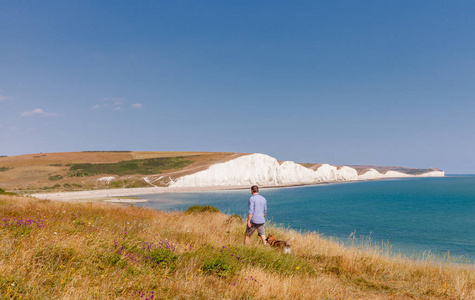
(264, 170)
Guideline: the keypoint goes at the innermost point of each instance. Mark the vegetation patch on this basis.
(55, 177)
(127, 184)
(52, 187)
(220, 267)
(20, 227)
(201, 209)
(130, 167)
(234, 218)
(227, 261)
(3, 192)
(3, 169)
(413, 171)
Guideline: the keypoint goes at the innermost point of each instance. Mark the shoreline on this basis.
(108, 195)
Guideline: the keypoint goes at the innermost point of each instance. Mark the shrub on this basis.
(55, 177)
(201, 209)
(3, 169)
(235, 218)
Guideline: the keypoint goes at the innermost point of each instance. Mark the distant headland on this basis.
(147, 172)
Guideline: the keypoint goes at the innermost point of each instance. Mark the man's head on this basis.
(254, 189)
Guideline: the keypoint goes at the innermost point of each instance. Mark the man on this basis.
(256, 217)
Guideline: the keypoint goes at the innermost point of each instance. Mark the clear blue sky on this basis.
(340, 82)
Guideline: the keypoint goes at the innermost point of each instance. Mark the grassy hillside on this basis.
(77, 171)
(86, 170)
(131, 167)
(59, 250)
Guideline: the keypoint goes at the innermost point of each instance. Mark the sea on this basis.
(415, 217)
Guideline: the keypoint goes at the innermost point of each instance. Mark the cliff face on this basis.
(264, 170)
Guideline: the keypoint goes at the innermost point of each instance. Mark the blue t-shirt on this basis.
(258, 208)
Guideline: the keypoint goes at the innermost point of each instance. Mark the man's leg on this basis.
(246, 239)
(263, 237)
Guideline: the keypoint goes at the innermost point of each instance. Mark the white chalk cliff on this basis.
(264, 170)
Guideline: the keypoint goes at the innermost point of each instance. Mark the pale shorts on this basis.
(261, 229)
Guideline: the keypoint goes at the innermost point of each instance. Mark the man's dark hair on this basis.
(255, 189)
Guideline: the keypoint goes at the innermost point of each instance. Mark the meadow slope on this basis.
(71, 250)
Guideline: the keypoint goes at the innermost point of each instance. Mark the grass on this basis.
(136, 166)
(201, 209)
(67, 250)
(3, 192)
(55, 177)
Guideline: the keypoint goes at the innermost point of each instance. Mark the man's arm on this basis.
(250, 212)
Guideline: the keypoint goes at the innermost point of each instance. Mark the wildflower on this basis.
(297, 268)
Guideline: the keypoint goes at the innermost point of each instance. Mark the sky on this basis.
(338, 82)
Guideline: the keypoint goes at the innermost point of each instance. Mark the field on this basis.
(67, 250)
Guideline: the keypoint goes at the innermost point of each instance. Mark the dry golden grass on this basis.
(61, 250)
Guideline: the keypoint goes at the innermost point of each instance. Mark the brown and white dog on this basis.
(273, 242)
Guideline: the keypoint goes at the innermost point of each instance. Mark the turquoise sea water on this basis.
(412, 215)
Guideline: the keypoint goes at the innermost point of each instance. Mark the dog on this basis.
(273, 242)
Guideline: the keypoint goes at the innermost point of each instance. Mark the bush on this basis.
(234, 218)
(201, 209)
(55, 177)
(3, 169)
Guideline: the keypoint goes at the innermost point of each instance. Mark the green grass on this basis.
(201, 209)
(226, 261)
(130, 167)
(3, 192)
(413, 171)
(55, 177)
